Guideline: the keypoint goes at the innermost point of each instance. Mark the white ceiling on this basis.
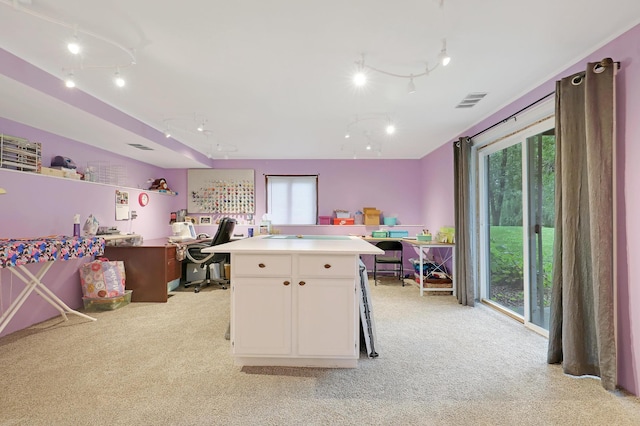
(272, 79)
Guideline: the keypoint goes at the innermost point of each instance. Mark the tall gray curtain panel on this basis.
(465, 288)
(582, 326)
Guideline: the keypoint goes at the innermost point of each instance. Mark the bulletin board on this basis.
(221, 191)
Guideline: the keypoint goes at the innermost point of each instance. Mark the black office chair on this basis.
(392, 256)
(205, 260)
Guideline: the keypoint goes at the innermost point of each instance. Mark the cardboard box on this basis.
(51, 172)
(371, 216)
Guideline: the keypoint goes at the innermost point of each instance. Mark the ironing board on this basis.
(16, 254)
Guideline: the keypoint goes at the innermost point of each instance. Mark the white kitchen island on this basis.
(294, 299)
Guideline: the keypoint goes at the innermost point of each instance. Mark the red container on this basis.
(343, 221)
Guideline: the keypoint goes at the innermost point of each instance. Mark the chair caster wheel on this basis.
(196, 290)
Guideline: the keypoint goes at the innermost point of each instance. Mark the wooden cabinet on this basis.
(149, 268)
(294, 309)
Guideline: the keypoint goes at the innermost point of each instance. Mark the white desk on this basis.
(15, 254)
(450, 255)
(294, 301)
(423, 248)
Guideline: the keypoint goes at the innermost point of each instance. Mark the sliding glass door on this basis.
(516, 199)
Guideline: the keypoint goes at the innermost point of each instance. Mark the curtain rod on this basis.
(513, 115)
(523, 109)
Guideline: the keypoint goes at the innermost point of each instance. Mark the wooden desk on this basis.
(149, 268)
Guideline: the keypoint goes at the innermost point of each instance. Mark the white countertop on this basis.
(289, 244)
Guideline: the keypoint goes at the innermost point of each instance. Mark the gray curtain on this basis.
(465, 288)
(582, 326)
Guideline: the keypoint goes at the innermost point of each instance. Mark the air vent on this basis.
(142, 147)
(471, 100)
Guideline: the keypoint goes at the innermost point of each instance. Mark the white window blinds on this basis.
(292, 200)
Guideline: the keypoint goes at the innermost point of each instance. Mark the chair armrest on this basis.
(196, 248)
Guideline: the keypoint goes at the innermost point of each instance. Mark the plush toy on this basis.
(160, 184)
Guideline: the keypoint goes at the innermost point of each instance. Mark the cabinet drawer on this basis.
(256, 265)
(327, 265)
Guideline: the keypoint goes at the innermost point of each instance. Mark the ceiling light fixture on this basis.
(118, 79)
(222, 149)
(70, 81)
(360, 79)
(444, 57)
(74, 44)
(357, 123)
(412, 87)
(390, 129)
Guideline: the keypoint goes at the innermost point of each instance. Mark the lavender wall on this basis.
(624, 49)
(437, 181)
(389, 185)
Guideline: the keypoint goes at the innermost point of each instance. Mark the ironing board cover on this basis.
(22, 251)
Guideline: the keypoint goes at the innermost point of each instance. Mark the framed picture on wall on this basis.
(205, 220)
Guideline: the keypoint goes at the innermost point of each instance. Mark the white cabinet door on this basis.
(261, 316)
(326, 317)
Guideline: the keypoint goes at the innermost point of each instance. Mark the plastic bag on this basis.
(90, 225)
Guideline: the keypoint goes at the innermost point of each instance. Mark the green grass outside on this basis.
(507, 255)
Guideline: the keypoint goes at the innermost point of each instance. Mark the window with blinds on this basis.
(292, 200)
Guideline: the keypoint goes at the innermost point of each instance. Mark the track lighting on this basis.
(74, 45)
(368, 130)
(167, 133)
(368, 147)
(444, 57)
(412, 87)
(69, 81)
(360, 77)
(200, 127)
(390, 129)
(119, 80)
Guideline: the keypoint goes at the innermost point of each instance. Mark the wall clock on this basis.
(143, 199)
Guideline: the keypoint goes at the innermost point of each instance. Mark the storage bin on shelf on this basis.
(324, 220)
(380, 234)
(342, 214)
(343, 221)
(398, 234)
(390, 221)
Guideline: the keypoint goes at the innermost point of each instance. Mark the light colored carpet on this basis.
(169, 364)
